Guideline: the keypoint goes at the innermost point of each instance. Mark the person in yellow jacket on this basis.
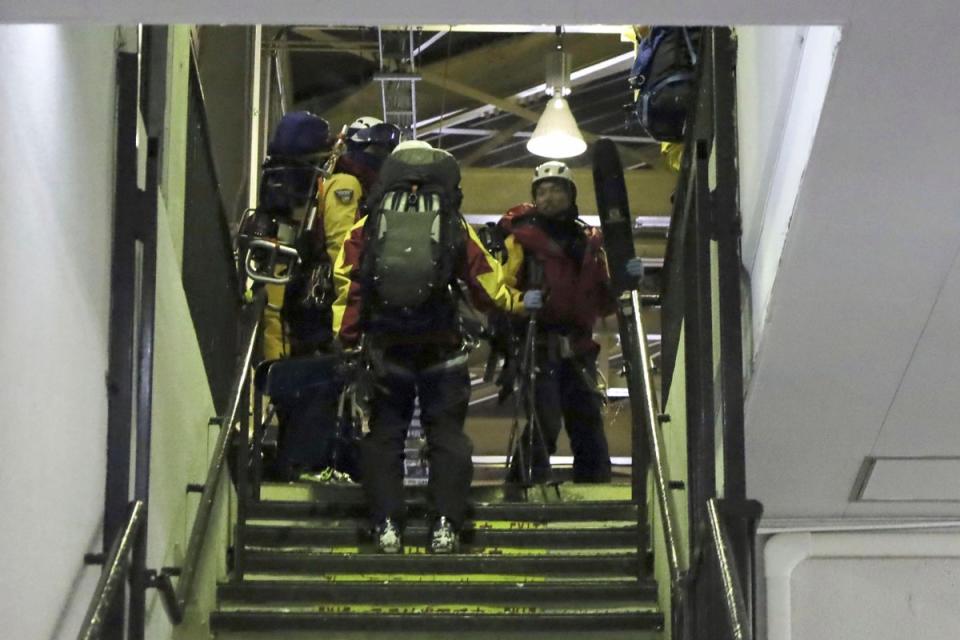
(300, 329)
(308, 430)
(307, 318)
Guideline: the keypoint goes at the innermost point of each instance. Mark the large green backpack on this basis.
(414, 237)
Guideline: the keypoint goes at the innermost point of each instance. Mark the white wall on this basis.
(56, 202)
(782, 79)
(863, 585)
(56, 191)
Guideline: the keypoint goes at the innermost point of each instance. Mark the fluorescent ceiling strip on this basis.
(460, 131)
(581, 76)
(423, 47)
(613, 65)
(514, 28)
(554, 460)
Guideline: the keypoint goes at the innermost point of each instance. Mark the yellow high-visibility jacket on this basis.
(341, 198)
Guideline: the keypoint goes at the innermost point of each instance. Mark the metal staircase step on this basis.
(608, 565)
(486, 492)
(348, 533)
(466, 621)
(519, 511)
(540, 594)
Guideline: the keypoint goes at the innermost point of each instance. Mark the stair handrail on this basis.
(175, 601)
(115, 569)
(652, 420)
(733, 597)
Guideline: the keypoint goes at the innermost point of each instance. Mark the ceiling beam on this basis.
(484, 67)
(504, 104)
(601, 69)
(496, 139)
(367, 51)
(486, 133)
(467, 91)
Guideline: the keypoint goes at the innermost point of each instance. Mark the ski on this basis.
(614, 210)
(615, 222)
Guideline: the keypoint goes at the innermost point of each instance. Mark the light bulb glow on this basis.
(557, 134)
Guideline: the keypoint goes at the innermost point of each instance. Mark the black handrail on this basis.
(250, 321)
(115, 570)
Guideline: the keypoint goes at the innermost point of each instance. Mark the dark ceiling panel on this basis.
(332, 74)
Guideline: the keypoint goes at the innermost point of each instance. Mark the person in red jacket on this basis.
(559, 262)
(416, 351)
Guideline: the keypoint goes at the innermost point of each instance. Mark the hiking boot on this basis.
(387, 535)
(329, 475)
(443, 537)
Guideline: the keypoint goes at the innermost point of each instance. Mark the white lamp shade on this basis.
(557, 134)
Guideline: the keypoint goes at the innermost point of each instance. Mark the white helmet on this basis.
(407, 145)
(553, 170)
(363, 122)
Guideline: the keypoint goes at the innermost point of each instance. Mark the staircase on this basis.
(562, 561)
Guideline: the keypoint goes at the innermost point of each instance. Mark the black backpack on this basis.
(414, 240)
(665, 75)
(267, 235)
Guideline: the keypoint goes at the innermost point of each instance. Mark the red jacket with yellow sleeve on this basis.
(481, 272)
(576, 280)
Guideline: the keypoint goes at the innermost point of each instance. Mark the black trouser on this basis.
(308, 424)
(565, 393)
(407, 372)
(308, 433)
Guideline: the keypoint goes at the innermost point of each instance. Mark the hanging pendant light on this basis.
(557, 134)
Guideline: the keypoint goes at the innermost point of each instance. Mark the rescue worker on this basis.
(560, 263)
(416, 354)
(309, 322)
(308, 434)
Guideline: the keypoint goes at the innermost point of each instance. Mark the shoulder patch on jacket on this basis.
(345, 196)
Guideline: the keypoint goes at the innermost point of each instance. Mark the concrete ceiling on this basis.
(859, 354)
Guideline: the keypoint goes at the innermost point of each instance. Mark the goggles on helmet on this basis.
(384, 134)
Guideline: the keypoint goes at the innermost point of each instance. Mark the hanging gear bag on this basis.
(267, 237)
(664, 74)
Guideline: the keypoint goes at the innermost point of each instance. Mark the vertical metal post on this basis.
(256, 104)
(727, 229)
(120, 391)
(699, 369)
(145, 302)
